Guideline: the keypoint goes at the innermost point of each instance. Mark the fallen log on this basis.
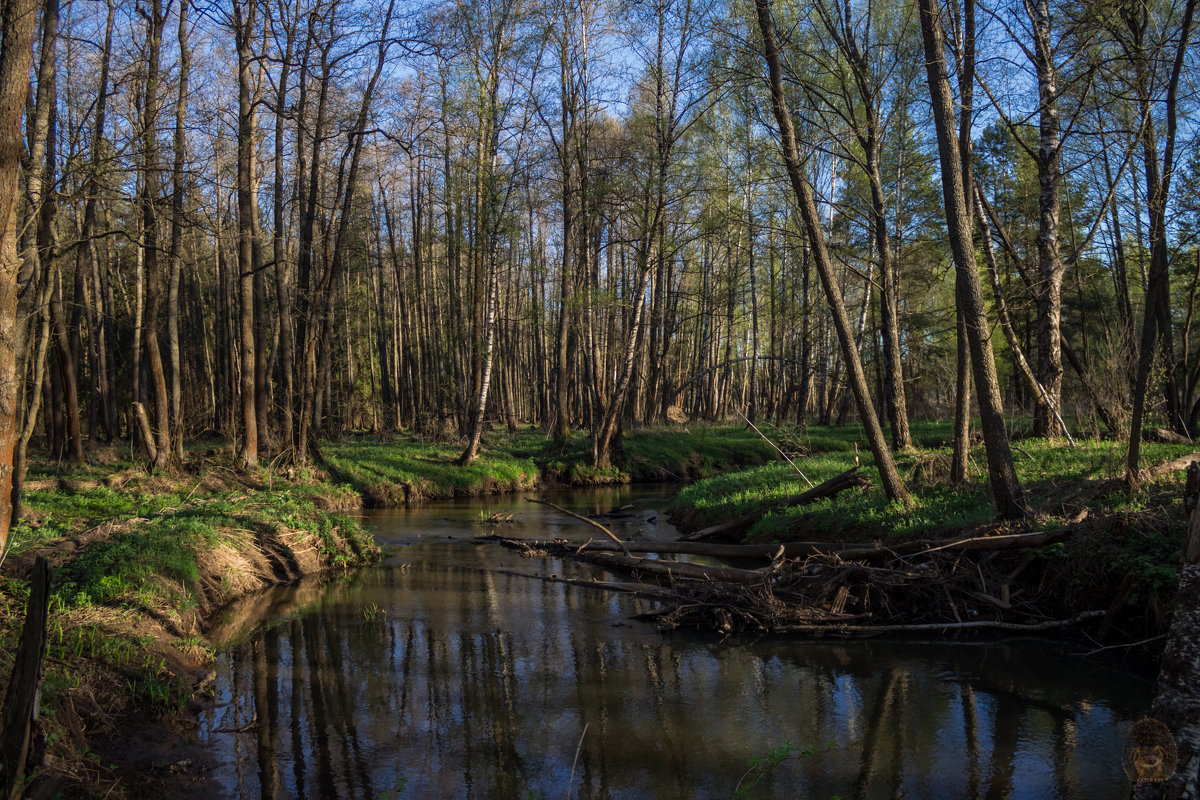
(1164, 436)
(114, 481)
(714, 550)
(839, 629)
(641, 566)
(1007, 541)
(844, 550)
(20, 726)
(673, 569)
(1174, 465)
(838, 483)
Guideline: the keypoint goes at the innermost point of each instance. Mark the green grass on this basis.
(1050, 472)
(147, 564)
(410, 469)
(154, 555)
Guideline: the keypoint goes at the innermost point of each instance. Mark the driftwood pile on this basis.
(826, 588)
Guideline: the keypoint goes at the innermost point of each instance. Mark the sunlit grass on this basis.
(1049, 471)
(409, 468)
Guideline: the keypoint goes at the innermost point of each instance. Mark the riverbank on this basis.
(408, 469)
(1118, 552)
(1121, 554)
(144, 563)
(139, 574)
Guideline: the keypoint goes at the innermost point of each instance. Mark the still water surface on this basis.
(447, 672)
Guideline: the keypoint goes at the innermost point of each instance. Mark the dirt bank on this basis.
(136, 587)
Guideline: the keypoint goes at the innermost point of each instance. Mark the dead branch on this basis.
(591, 522)
(839, 483)
(777, 449)
(819, 588)
(842, 550)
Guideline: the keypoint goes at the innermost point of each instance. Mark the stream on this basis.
(449, 672)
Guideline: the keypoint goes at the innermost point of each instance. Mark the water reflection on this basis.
(476, 682)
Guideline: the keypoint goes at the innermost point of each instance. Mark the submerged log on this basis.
(838, 483)
(837, 629)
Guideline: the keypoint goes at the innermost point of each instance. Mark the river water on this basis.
(449, 672)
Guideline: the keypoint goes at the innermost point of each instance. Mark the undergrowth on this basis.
(1057, 479)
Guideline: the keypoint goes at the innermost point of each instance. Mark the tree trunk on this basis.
(889, 477)
(283, 289)
(244, 17)
(1006, 488)
(177, 224)
(150, 182)
(20, 729)
(1050, 265)
(893, 372)
(1156, 326)
(100, 331)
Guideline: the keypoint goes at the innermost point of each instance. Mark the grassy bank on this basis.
(1124, 556)
(138, 574)
(409, 469)
(1059, 481)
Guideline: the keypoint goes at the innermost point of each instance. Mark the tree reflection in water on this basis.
(475, 682)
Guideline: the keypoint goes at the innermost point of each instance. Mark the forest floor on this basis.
(142, 563)
(406, 469)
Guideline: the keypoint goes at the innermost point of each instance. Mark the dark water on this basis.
(445, 674)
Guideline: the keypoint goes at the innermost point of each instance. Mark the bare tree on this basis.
(892, 485)
(1006, 488)
(17, 26)
(244, 21)
(155, 16)
(1156, 325)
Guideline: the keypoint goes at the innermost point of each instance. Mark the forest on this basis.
(447, 216)
(270, 225)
